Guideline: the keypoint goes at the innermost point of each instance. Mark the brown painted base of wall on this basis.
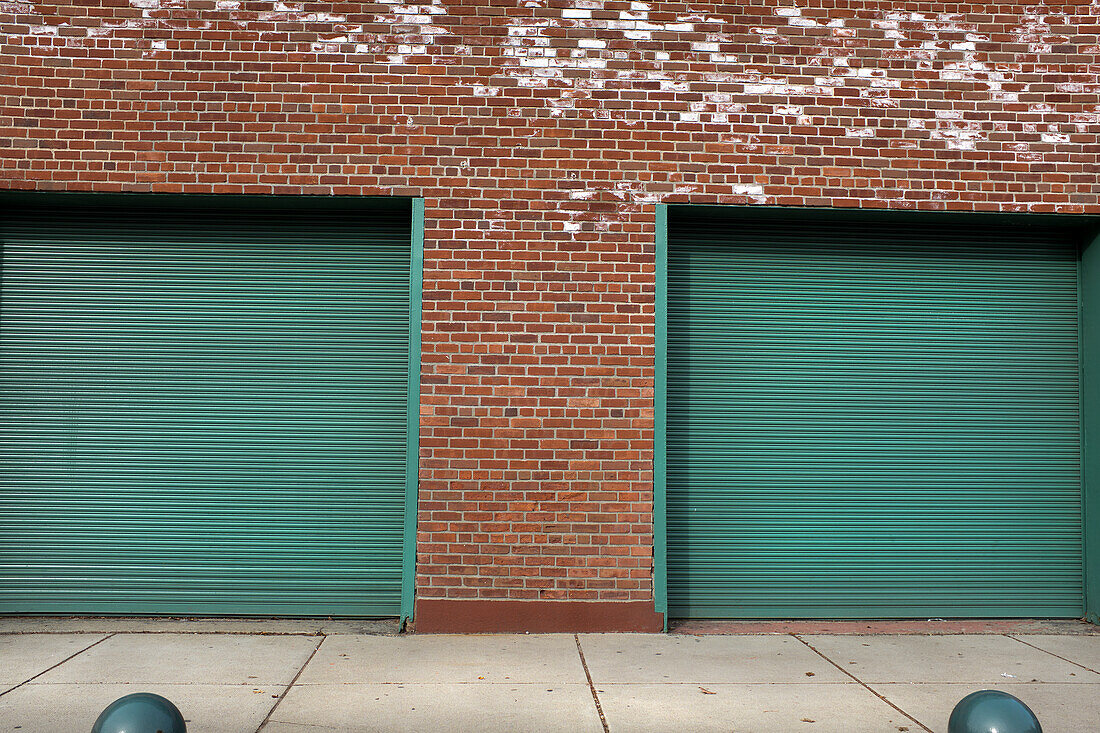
(442, 616)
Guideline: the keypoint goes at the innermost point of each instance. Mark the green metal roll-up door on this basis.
(872, 421)
(204, 410)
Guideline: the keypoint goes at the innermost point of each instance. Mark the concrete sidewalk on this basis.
(306, 677)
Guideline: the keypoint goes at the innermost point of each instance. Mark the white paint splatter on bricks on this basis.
(1036, 31)
(909, 30)
(1086, 120)
(780, 88)
(668, 83)
(767, 34)
(483, 90)
(754, 190)
(959, 137)
(684, 189)
(398, 45)
(633, 192)
(1077, 88)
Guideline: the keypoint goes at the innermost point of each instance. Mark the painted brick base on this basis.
(442, 616)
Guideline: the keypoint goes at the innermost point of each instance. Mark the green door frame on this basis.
(412, 459)
(660, 417)
(1083, 229)
(1088, 293)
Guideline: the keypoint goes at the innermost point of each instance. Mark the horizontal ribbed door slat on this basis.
(203, 412)
(874, 421)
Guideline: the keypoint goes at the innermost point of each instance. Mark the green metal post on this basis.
(412, 464)
(660, 385)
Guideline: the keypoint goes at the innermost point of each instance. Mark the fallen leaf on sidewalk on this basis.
(705, 691)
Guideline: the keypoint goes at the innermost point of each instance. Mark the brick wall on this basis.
(541, 134)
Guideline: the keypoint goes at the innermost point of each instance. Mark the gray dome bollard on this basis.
(142, 712)
(992, 711)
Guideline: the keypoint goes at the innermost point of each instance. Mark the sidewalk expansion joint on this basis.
(267, 718)
(591, 686)
(863, 684)
(55, 666)
(1059, 656)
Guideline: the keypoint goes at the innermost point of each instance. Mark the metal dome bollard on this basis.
(992, 711)
(142, 712)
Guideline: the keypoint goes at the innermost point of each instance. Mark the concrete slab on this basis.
(486, 708)
(377, 627)
(1082, 650)
(25, 655)
(907, 626)
(189, 658)
(1059, 707)
(62, 708)
(975, 659)
(446, 658)
(763, 708)
(144, 625)
(651, 658)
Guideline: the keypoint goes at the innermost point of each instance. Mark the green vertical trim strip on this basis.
(660, 386)
(412, 464)
(1090, 421)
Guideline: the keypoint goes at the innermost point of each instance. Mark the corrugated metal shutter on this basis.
(873, 421)
(203, 412)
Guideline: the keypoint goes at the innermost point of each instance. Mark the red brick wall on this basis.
(541, 134)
